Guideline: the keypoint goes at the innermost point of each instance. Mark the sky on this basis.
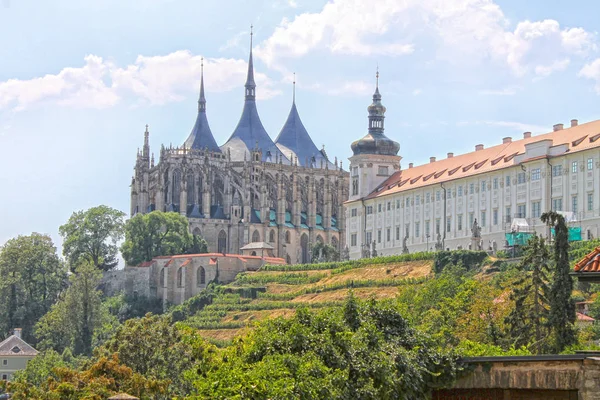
(79, 80)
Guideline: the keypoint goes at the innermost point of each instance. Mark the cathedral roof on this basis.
(510, 153)
(249, 132)
(295, 140)
(201, 136)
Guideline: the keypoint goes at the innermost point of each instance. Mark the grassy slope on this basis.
(227, 316)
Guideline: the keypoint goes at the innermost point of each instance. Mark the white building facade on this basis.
(417, 208)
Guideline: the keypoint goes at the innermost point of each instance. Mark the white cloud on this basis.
(352, 88)
(460, 30)
(509, 91)
(81, 87)
(592, 71)
(292, 3)
(152, 80)
(417, 92)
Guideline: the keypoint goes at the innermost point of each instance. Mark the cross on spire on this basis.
(294, 90)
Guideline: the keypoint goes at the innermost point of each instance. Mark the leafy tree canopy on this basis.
(92, 236)
(158, 234)
(32, 278)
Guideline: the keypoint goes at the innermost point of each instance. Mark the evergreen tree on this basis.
(562, 308)
(529, 318)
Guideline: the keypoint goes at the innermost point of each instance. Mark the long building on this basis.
(477, 200)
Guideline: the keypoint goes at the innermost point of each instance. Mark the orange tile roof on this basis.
(577, 138)
(589, 263)
(583, 317)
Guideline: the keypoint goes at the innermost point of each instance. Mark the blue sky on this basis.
(79, 81)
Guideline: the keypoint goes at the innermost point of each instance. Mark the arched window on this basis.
(288, 259)
(222, 242)
(304, 248)
(191, 189)
(180, 277)
(255, 236)
(287, 237)
(200, 276)
(176, 187)
(272, 236)
(162, 277)
(334, 242)
(253, 253)
(319, 239)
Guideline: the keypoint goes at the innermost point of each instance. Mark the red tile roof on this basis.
(577, 138)
(583, 317)
(589, 263)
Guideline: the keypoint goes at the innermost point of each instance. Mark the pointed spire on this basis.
(377, 95)
(250, 84)
(146, 149)
(202, 99)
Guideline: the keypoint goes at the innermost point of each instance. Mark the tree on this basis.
(562, 310)
(156, 234)
(32, 276)
(92, 235)
(322, 252)
(77, 316)
(153, 347)
(529, 317)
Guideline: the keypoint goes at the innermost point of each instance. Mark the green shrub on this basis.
(467, 258)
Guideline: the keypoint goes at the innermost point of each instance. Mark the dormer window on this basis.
(16, 349)
(382, 170)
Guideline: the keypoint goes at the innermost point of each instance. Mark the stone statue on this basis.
(345, 253)
(374, 250)
(438, 244)
(475, 230)
(404, 246)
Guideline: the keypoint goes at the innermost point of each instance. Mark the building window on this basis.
(382, 171)
(369, 238)
(508, 215)
(5, 362)
(418, 199)
(389, 205)
(521, 211)
(397, 233)
(388, 234)
(398, 203)
(369, 210)
(557, 204)
(574, 167)
(459, 222)
(507, 181)
(437, 196)
(460, 192)
(521, 177)
(448, 224)
(437, 226)
(354, 186)
(557, 170)
(483, 185)
(427, 230)
(471, 219)
(354, 212)
(590, 202)
(590, 164)
(417, 229)
(536, 209)
(180, 277)
(471, 188)
(483, 218)
(379, 207)
(353, 240)
(200, 276)
(407, 202)
(535, 174)
(427, 196)
(406, 230)
(4, 377)
(495, 216)
(379, 236)
(495, 184)
(574, 203)
(355, 171)
(222, 242)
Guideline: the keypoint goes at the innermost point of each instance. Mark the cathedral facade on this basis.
(285, 194)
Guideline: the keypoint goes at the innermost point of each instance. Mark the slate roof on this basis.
(15, 346)
(295, 140)
(250, 132)
(574, 139)
(201, 136)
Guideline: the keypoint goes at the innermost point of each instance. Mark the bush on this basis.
(467, 258)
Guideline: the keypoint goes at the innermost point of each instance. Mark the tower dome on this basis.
(375, 142)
